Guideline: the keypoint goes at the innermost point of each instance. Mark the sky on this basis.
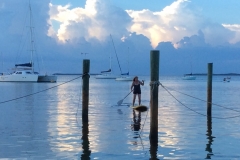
(188, 34)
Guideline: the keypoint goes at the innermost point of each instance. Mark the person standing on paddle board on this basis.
(136, 89)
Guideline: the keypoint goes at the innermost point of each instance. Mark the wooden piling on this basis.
(209, 89)
(85, 89)
(154, 62)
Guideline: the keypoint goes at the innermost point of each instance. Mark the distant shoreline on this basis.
(73, 74)
(219, 74)
(194, 74)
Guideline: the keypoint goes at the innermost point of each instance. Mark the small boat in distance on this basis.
(125, 76)
(106, 75)
(188, 77)
(226, 79)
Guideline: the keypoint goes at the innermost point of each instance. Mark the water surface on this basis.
(48, 125)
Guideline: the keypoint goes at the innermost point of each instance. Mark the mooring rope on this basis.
(40, 91)
(202, 100)
(154, 84)
(79, 99)
(196, 111)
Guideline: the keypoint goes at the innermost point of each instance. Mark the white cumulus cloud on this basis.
(178, 20)
(236, 29)
(97, 21)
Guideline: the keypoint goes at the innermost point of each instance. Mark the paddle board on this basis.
(140, 108)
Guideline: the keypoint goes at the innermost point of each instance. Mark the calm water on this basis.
(48, 125)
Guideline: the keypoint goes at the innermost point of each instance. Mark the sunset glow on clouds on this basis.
(174, 22)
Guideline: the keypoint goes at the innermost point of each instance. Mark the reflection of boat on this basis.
(227, 79)
(188, 77)
(25, 72)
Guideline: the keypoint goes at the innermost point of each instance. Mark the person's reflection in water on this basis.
(85, 141)
(136, 126)
(209, 137)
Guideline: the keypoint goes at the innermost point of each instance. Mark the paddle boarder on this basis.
(136, 89)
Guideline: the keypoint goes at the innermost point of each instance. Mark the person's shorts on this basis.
(137, 92)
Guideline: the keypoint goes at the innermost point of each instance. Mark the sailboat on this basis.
(189, 76)
(125, 76)
(24, 72)
(108, 74)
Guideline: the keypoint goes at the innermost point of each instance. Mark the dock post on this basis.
(154, 62)
(85, 89)
(209, 90)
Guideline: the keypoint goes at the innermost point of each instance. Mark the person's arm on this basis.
(141, 82)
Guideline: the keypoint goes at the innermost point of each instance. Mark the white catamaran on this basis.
(25, 72)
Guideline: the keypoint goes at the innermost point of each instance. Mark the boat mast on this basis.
(110, 57)
(191, 62)
(116, 54)
(128, 61)
(31, 35)
(2, 59)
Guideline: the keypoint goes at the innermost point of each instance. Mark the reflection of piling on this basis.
(85, 141)
(154, 60)
(153, 151)
(85, 89)
(209, 137)
(209, 89)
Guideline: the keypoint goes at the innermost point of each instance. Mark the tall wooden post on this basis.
(209, 89)
(154, 62)
(85, 89)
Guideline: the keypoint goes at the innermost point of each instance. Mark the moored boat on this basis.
(188, 77)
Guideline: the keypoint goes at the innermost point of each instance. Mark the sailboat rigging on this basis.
(108, 73)
(125, 76)
(24, 72)
(116, 54)
(189, 76)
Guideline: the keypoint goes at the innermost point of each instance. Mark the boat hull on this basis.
(189, 78)
(105, 76)
(47, 79)
(124, 79)
(19, 78)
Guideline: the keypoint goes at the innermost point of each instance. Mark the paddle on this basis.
(120, 102)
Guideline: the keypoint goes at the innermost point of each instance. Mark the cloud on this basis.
(235, 28)
(97, 21)
(178, 20)
(62, 32)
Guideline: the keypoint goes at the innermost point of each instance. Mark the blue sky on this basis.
(185, 32)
